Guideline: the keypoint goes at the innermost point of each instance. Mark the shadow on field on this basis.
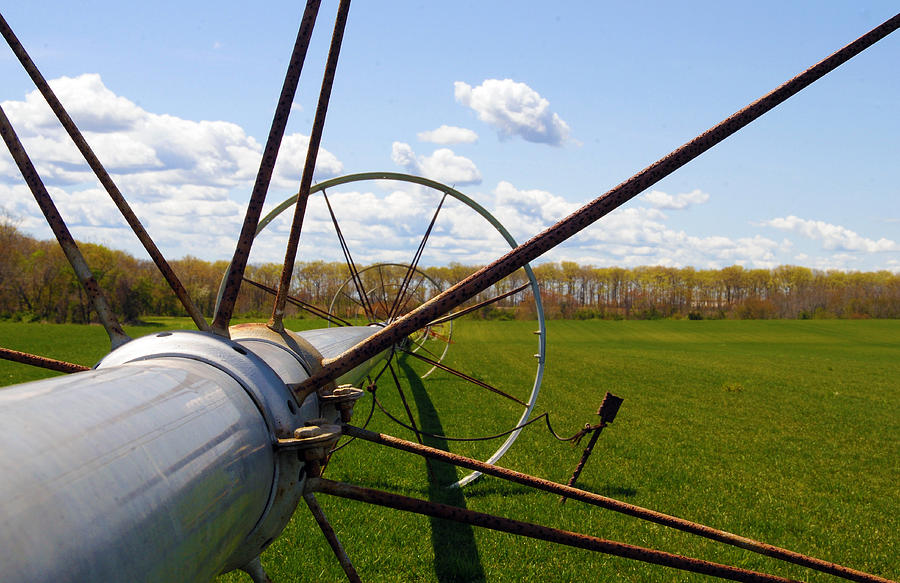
(455, 552)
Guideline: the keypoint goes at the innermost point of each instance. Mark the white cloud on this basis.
(514, 109)
(448, 135)
(181, 176)
(833, 237)
(527, 212)
(442, 165)
(661, 200)
(630, 236)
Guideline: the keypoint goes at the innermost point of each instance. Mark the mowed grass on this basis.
(783, 431)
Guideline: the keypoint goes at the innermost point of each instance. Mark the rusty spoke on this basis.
(314, 310)
(330, 536)
(235, 274)
(103, 176)
(276, 321)
(585, 216)
(41, 361)
(117, 335)
(471, 309)
(407, 279)
(615, 505)
(536, 531)
(465, 377)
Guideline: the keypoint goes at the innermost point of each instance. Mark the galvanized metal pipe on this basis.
(143, 472)
(160, 464)
(616, 505)
(537, 531)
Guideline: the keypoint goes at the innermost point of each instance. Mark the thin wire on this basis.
(545, 416)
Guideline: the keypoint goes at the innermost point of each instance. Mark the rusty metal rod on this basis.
(584, 457)
(585, 216)
(103, 176)
(315, 137)
(470, 309)
(536, 531)
(41, 361)
(616, 505)
(332, 538)
(235, 274)
(117, 335)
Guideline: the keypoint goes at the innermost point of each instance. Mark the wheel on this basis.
(383, 285)
(381, 292)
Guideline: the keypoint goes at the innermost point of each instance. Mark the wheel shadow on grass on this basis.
(456, 555)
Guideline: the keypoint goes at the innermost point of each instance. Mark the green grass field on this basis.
(783, 431)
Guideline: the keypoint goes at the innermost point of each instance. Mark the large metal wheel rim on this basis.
(452, 192)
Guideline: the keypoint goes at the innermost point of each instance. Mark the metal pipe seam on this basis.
(263, 368)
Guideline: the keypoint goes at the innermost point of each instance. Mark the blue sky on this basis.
(544, 108)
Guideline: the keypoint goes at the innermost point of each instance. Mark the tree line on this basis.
(36, 283)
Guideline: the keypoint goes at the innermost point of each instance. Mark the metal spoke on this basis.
(415, 262)
(117, 335)
(330, 536)
(314, 310)
(103, 176)
(614, 505)
(585, 216)
(235, 274)
(315, 137)
(409, 296)
(466, 377)
(531, 530)
(383, 287)
(470, 309)
(41, 361)
(351, 265)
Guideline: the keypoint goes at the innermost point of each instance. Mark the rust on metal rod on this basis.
(332, 538)
(103, 176)
(537, 531)
(617, 506)
(595, 435)
(117, 336)
(235, 274)
(41, 361)
(276, 321)
(585, 216)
